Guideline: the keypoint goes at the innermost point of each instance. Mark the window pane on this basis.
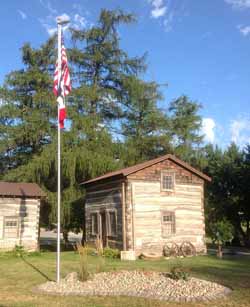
(11, 224)
(10, 227)
(168, 223)
(167, 218)
(168, 182)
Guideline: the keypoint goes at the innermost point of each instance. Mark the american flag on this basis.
(64, 85)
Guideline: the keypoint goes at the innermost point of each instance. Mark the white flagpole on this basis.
(61, 20)
(58, 158)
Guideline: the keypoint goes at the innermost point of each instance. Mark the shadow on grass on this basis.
(36, 269)
(226, 276)
(51, 246)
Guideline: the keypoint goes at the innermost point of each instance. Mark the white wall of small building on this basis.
(27, 211)
(148, 205)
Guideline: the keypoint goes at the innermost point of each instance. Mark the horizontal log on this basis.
(107, 199)
(105, 185)
(156, 186)
(98, 192)
(18, 201)
(102, 206)
(161, 202)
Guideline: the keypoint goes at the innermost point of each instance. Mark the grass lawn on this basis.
(18, 277)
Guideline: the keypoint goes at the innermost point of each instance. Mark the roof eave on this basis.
(190, 168)
(93, 181)
(150, 163)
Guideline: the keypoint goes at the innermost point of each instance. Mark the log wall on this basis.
(27, 212)
(146, 201)
(100, 198)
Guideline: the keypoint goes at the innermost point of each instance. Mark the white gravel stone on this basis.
(138, 283)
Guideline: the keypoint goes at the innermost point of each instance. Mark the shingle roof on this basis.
(135, 168)
(20, 189)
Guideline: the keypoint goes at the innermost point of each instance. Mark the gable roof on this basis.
(20, 189)
(135, 168)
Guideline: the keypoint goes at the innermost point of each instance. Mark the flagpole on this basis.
(61, 20)
(59, 26)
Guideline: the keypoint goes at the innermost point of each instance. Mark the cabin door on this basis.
(103, 227)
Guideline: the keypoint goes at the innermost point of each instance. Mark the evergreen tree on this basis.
(145, 126)
(100, 66)
(244, 192)
(228, 193)
(185, 127)
(27, 109)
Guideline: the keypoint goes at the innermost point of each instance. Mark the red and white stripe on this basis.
(62, 111)
(64, 85)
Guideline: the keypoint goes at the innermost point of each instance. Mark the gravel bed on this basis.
(140, 284)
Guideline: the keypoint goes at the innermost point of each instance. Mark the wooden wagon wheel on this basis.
(171, 249)
(187, 249)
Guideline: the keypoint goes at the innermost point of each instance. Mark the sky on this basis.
(199, 48)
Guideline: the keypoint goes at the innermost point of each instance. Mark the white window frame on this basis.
(170, 174)
(109, 224)
(97, 214)
(10, 219)
(166, 224)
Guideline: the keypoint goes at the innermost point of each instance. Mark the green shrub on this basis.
(179, 273)
(221, 232)
(111, 253)
(19, 251)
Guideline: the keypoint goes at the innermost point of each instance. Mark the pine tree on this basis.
(27, 110)
(100, 66)
(145, 126)
(185, 127)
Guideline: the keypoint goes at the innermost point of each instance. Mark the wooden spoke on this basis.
(171, 249)
(187, 249)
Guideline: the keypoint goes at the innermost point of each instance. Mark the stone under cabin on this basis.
(144, 208)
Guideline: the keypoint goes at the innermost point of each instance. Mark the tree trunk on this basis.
(247, 241)
(83, 238)
(65, 236)
(219, 251)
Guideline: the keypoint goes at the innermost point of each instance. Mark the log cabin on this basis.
(142, 208)
(19, 215)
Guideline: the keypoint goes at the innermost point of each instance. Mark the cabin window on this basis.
(112, 223)
(167, 181)
(11, 227)
(94, 224)
(168, 223)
